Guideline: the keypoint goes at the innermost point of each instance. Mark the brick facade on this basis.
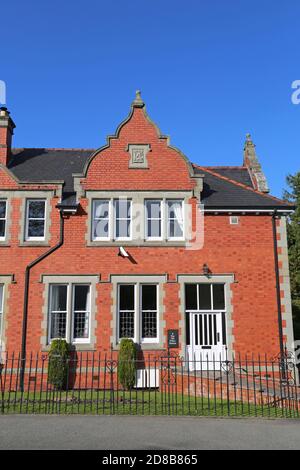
(245, 251)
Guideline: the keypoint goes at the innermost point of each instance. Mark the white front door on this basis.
(207, 347)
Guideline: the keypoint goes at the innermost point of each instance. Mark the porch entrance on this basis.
(206, 341)
(205, 325)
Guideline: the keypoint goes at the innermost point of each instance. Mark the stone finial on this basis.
(138, 102)
(253, 165)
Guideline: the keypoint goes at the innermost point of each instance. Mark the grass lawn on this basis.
(132, 403)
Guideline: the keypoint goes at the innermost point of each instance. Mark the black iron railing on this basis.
(163, 385)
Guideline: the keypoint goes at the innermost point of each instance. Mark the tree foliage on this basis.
(127, 363)
(59, 356)
(293, 230)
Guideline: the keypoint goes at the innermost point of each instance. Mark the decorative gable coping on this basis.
(137, 103)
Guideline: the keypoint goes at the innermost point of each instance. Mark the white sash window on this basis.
(138, 312)
(153, 219)
(122, 219)
(175, 220)
(69, 312)
(35, 219)
(3, 218)
(101, 215)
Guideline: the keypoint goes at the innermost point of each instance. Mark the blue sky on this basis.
(209, 70)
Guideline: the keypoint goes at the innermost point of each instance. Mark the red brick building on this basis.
(133, 240)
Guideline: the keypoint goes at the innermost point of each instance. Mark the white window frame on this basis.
(147, 218)
(94, 201)
(212, 309)
(149, 340)
(138, 312)
(115, 201)
(69, 337)
(72, 319)
(50, 311)
(27, 237)
(2, 238)
(234, 220)
(168, 219)
(134, 310)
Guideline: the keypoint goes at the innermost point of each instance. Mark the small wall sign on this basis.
(173, 339)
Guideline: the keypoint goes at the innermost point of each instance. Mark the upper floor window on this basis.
(175, 219)
(3, 217)
(122, 219)
(1, 305)
(101, 214)
(153, 219)
(104, 211)
(35, 219)
(69, 312)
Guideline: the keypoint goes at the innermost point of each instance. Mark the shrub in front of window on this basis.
(127, 363)
(58, 367)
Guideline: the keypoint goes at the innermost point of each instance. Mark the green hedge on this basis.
(127, 363)
(58, 370)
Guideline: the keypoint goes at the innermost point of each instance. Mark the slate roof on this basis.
(224, 187)
(221, 192)
(240, 174)
(48, 164)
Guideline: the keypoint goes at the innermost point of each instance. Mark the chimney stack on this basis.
(7, 126)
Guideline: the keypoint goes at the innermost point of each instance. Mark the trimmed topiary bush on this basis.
(127, 363)
(58, 367)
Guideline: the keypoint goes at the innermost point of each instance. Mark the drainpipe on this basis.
(278, 287)
(26, 293)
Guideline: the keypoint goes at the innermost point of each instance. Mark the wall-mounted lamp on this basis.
(205, 269)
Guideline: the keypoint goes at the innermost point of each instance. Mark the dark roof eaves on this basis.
(253, 207)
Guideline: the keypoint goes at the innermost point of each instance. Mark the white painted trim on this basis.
(138, 312)
(161, 201)
(168, 220)
(80, 340)
(70, 283)
(110, 210)
(115, 219)
(27, 237)
(5, 219)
